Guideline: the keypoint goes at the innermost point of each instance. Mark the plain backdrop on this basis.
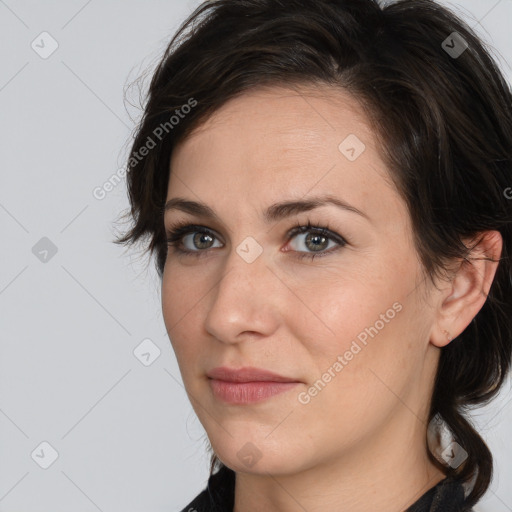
(86, 422)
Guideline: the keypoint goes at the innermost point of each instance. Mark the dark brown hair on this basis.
(444, 122)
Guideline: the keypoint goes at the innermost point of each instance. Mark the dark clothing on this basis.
(219, 496)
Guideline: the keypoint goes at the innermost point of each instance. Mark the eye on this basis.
(192, 240)
(316, 239)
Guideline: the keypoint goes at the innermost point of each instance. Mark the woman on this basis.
(324, 184)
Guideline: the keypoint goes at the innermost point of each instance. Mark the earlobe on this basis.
(469, 289)
(448, 335)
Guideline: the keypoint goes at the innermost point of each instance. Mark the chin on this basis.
(261, 456)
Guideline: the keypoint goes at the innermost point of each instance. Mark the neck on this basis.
(388, 472)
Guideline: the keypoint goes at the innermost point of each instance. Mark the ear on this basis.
(466, 292)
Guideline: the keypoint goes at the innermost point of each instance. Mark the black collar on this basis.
(219, 495)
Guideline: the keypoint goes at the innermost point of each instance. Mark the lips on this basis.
(246, 374)
(247, 385)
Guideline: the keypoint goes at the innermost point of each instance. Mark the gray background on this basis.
(125, 434)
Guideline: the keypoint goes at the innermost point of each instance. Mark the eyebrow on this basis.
(273, 213)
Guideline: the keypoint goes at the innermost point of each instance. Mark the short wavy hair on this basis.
(443, 120)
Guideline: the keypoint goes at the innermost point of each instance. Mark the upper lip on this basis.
(246, 374)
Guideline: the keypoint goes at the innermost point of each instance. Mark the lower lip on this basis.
(248, 392)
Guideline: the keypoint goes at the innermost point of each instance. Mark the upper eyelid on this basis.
(188, 228)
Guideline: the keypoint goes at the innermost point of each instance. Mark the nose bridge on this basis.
(241, 301)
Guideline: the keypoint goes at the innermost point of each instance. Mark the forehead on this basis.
(276, 142)
(305, 119)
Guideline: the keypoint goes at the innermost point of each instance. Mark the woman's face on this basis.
(350, 326)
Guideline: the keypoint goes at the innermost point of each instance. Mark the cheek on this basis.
(181, 298)
(356, 383)
(367, 320)
(182, 291)
(339, 306)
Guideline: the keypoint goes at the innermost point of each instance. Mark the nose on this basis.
(245, 302)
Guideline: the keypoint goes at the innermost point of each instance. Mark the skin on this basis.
(359, 444)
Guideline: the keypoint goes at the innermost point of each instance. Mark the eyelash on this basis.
(180, 229)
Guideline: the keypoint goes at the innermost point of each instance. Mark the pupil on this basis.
(316, 241)
(199, 238)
